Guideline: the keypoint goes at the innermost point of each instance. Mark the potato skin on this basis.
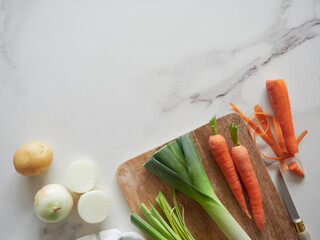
(32, 158)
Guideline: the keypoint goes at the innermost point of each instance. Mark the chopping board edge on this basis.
(263, 176)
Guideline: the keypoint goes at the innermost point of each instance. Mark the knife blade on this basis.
(291, 209)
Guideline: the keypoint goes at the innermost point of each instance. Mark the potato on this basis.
(32, 158)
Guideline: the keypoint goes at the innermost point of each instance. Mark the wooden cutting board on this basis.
(140, 186)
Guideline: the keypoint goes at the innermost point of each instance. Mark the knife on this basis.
(291, 209)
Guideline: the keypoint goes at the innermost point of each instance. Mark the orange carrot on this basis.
(301, 136)
(221, 154)
(248, 177)
(296, 169)
(272, 143)
(278, 94)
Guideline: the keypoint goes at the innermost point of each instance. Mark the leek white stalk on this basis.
(197, 186)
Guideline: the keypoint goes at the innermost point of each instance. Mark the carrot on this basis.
(248, 177)
(279, 97)
(271, 142)
(296, 169)
(301, 136)
(221, 154)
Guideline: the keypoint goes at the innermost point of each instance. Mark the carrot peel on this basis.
(270, 141)
(284, 155)
(265, 123)
(301, 136)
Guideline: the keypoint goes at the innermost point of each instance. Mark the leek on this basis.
(146, 228)
(197, 186)
(156, 227)
(176, 220)
(159, 224)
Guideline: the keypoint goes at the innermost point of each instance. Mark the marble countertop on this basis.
(108, 80)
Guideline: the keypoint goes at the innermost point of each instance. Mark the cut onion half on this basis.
(93, 206)
(81, 176)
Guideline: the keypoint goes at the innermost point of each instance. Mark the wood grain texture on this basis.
(140, 186)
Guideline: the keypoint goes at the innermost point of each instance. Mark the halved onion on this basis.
(81, 176)
(93, 206)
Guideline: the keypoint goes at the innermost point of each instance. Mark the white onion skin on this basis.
(53, 203)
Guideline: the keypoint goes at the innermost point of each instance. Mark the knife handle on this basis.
(302, 230)
(304, 235)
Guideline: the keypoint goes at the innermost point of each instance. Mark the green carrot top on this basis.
(213, 123)
(234, 134)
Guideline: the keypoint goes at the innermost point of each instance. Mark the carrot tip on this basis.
(296, 169)
(246, 211)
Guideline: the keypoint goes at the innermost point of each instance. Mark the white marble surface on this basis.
(108, 80)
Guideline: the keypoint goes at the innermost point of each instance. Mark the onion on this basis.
(93, 206)
(81, 176)
(52, 203)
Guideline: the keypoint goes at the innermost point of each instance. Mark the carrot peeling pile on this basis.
(284, 144)
(220, 152)
(241, 159)
(272, 143)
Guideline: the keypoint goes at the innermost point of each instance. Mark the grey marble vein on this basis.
(280, 39)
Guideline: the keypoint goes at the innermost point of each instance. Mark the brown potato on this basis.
(32, 158)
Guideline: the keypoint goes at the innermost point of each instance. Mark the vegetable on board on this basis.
(195, 184)
(248, 177)
(176, 220)
(146, 228)
(296, 169)
(156, 227)
(220, 152)
(279, 97)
